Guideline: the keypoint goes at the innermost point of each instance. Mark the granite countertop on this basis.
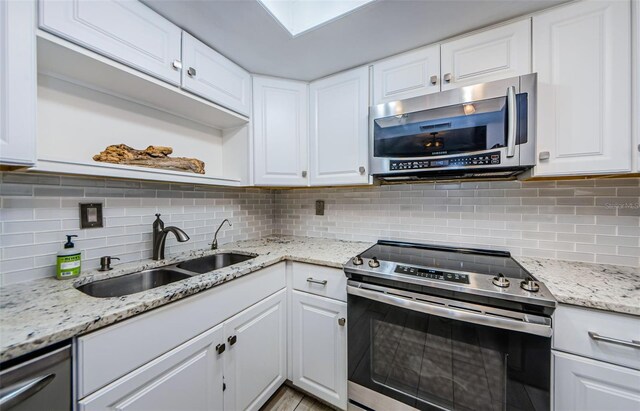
(39, 313)
(599, 286)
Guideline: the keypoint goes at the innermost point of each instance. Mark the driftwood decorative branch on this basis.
(152, 156)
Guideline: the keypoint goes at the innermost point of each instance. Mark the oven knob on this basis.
(374, 263)
(529, 284)
(501, 281)
(357, 260)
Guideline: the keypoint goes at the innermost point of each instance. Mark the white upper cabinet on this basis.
(17, 83)
(408, 75)
(123, 30)
(209, 74)
(280, 131)
(494, 54)
(255, 363)
(635, 65)
(338, 133)
(581, 53)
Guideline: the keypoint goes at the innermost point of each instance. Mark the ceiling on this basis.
(245, 32)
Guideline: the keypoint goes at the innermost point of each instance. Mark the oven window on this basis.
(476, 126)
(431, 362)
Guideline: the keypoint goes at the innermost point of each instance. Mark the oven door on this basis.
(408, 350)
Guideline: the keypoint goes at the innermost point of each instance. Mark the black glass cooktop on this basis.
(467, 260)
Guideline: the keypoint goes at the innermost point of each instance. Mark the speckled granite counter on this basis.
(42, 312)
(600, 286)
(38, 313)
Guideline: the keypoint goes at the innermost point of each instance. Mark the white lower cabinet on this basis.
(582, 384)
(320, 347)
(188, 377)
(255, 361)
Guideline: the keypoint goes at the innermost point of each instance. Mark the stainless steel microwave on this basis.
(481, 131)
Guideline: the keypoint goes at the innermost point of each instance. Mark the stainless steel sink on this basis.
(148, 279)
(213, 262)
(132, 283)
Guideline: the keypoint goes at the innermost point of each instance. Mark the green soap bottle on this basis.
(68, 261)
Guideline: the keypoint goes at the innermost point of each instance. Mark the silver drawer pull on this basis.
(312, 280)
(598, 337)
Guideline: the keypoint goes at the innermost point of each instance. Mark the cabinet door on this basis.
(209, 74)
(582, 384)
(490, 55)
(408, 75)
(280, 131)
(188, 377)
(17, 83)
(338, 136)
(320, 347)
(581, 55)
(256, 357)
(123, 30)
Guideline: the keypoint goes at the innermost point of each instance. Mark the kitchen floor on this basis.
(290, 399)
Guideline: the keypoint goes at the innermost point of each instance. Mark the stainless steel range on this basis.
(434, 327)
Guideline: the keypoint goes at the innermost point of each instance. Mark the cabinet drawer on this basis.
(324, 281)
(571, 334)
(125, 31)
(136, 341)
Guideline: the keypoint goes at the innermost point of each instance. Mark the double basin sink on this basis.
(148, 279)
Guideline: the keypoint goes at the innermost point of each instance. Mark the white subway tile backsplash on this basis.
(553, 219)
(36, 211)
(584, 220)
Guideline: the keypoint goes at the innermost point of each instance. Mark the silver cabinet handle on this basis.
(177, 64)
(21, 391)
(313, 280)
(512, 126)
(361, 169)
(447, 78)
(433, 80)
(342, 321)
(304, 174)
(597, 337)
(191, 72)
(544, 155)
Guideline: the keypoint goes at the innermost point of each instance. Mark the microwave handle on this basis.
(512, 124)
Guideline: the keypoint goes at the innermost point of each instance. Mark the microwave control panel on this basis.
(461, 161)
(433, 274)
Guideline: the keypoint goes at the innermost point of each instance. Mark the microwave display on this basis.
(462, 128)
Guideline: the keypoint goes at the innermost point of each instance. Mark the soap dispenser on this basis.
(68, 261)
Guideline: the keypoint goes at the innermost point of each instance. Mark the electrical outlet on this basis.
(319, 207)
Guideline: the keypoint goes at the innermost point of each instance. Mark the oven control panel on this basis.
(461, 161)
(432, 274)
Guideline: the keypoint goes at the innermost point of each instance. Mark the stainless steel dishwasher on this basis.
(40, 383)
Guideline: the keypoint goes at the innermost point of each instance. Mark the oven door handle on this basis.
(512, 125)
(453, 313)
